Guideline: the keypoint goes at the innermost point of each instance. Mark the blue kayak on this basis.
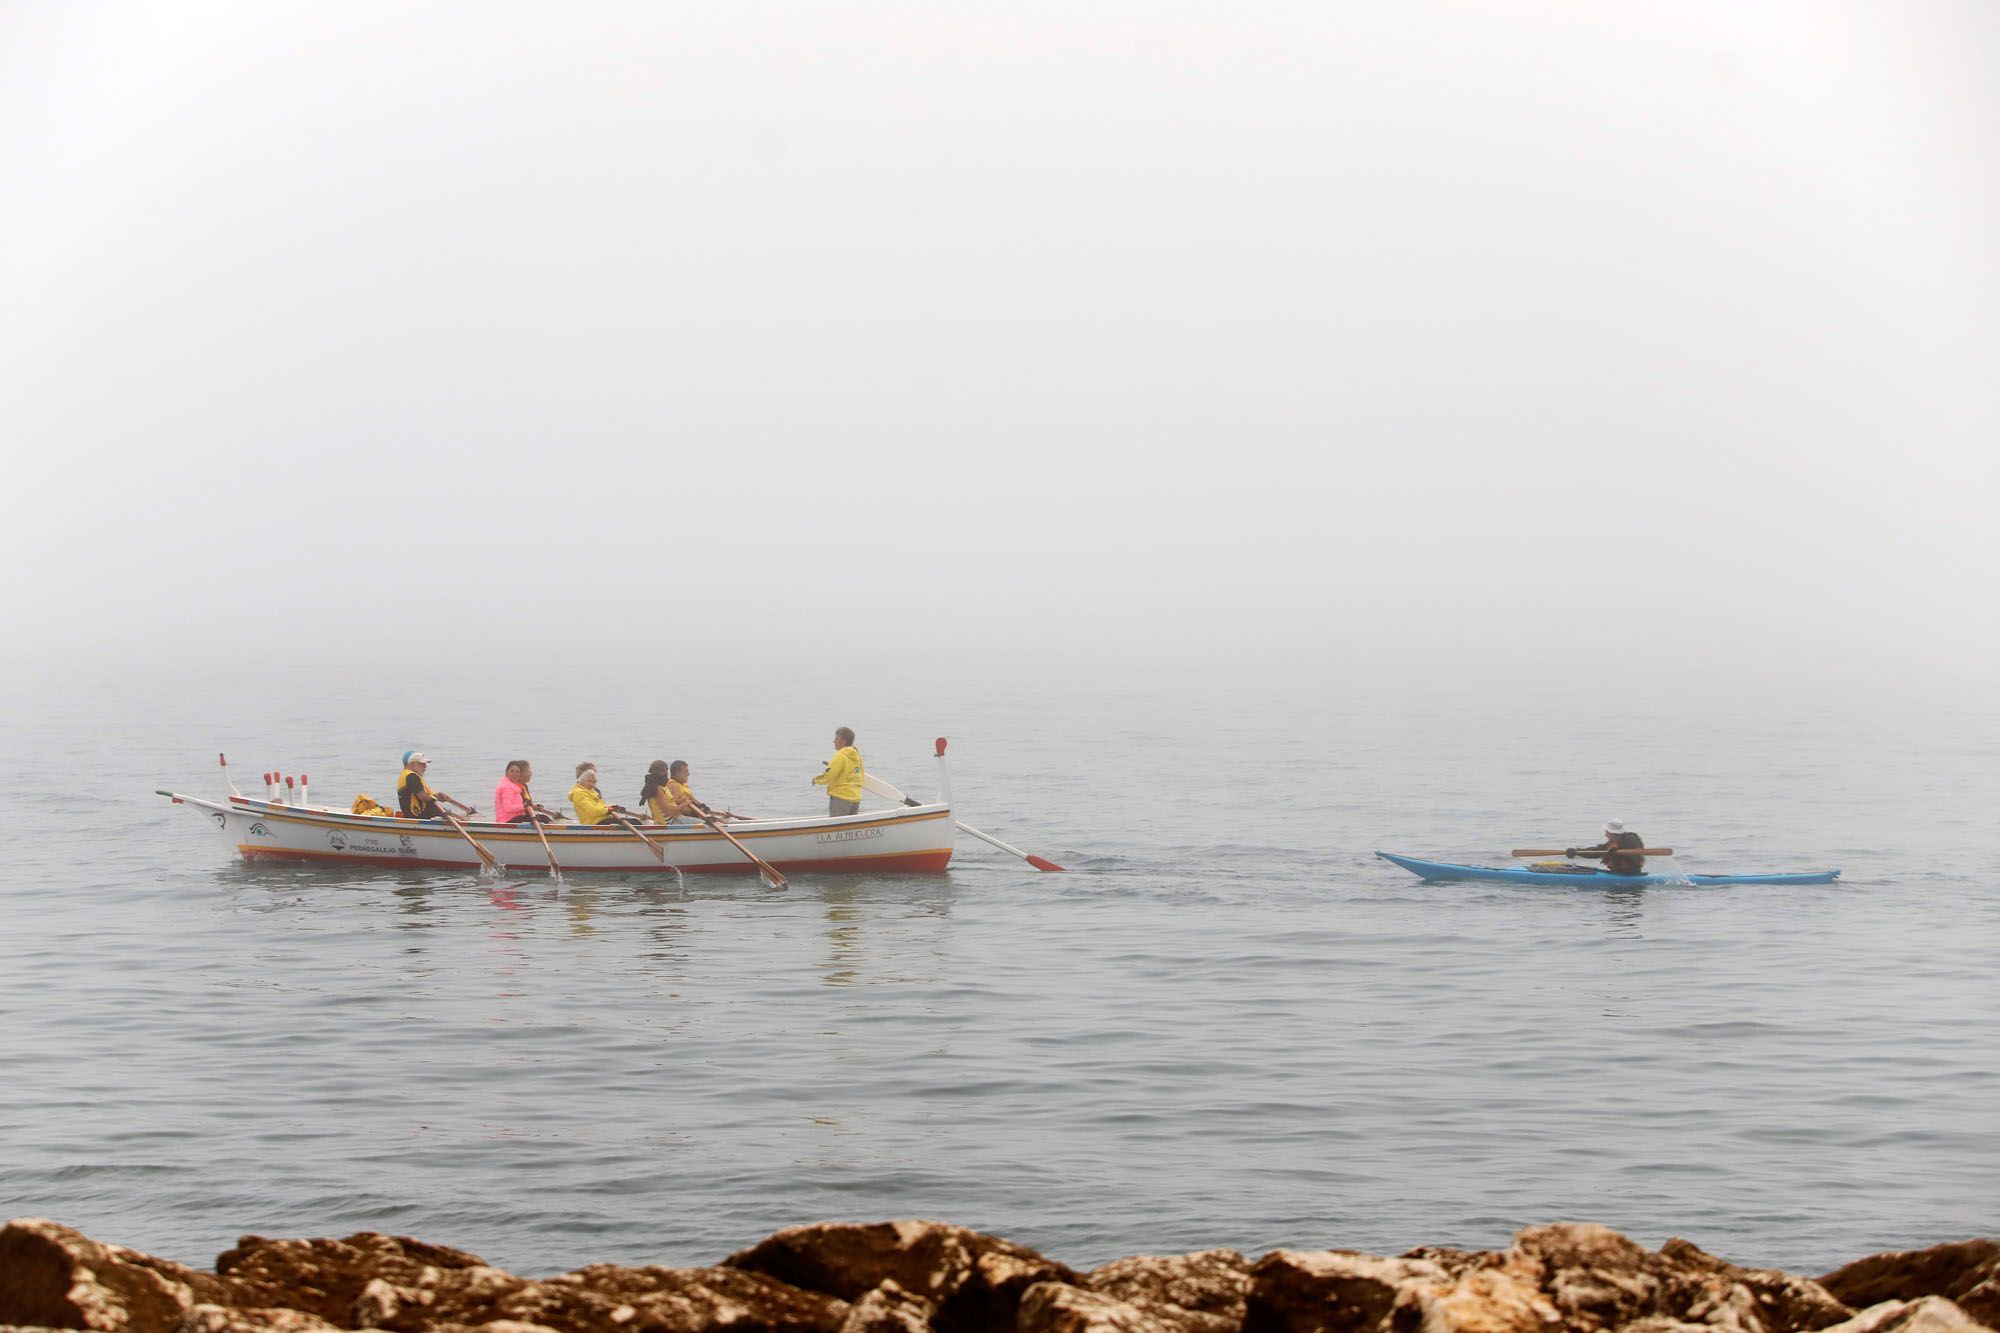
(1590, 877)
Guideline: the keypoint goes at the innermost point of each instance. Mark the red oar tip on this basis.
(940, 747)
(222, 759)
(1043, 863)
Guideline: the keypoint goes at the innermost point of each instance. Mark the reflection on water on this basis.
(1625, 910)
(579, 904)
(843, 936)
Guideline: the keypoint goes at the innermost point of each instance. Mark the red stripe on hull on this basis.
(902, 863)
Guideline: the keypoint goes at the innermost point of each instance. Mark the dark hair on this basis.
(680, 766)
(513, 764)
(656, 778)
(845, 735)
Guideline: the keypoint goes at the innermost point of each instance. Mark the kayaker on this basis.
(591, 807)
(511, 802)
(842, 778)
(1616, 861)
(414, 797)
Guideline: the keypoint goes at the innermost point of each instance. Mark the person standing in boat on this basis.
(1617, 860)
(414, 797)
(511, 802)
(591, 807)
(842, 778)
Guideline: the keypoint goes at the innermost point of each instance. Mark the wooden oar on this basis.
(632, 829)
(881, 788)
(1592, 851)
(485, 856)
(770, 871)
(528, 805)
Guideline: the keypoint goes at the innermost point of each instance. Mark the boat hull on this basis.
(904, 841)
(1438, 871)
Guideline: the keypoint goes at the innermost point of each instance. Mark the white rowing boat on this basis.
(908, 839)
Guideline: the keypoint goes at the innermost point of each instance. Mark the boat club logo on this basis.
(404, 844)
(337, 840)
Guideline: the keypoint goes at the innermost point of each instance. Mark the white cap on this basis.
(415, 757)
(1614, 826)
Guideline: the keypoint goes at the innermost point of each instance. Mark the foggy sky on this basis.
(1120, 331)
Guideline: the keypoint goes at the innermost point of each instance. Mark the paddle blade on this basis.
(1043, 863)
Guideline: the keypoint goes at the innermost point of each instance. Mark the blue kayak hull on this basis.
(1444, 870)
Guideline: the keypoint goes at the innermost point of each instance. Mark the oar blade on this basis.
(1043, 863)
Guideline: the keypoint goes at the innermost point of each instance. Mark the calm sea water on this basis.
(1230, 1025)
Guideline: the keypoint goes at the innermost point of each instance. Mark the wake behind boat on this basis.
(1589, 877)
(915, 838)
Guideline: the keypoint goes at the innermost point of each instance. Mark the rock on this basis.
(1595, 1278)
(1329, 1291)
(57, 1277)
(1966, 1272)
(599, 1298)
(1568, 1276)
(1057, 1307)
(604, 1296)
(975, 1281)
(1598, 1279)
(1478, 1299)
(927, 1277)
(1759, 1298)
(1926, 1314)
(1450, 1260)
(889, 1309)
(225, 1319)
(1202, 1292)
(326, 1277)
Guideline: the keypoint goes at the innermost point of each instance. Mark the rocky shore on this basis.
(930, 1277)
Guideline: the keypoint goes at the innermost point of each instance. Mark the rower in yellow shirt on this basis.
(668, 796)
(842, 778)
(591, 807)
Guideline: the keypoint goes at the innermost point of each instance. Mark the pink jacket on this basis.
(508, 802)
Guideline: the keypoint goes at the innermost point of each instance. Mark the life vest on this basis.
(429, 797)
(1619, 864)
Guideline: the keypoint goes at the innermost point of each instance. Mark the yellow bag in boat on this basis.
(368, 805)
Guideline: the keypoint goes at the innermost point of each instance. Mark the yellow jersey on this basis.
(670, 801)
(842, 778)
(591, 808)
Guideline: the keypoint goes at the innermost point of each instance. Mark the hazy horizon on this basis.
(1445, 342)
